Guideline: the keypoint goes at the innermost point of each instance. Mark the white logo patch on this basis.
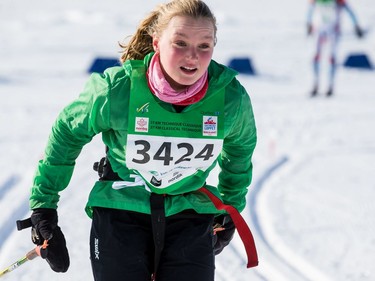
(141, 124)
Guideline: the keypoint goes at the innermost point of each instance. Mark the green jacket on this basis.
(102, 108)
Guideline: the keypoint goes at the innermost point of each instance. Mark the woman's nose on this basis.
(192, 54)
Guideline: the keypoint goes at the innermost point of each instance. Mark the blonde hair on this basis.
(140, 44)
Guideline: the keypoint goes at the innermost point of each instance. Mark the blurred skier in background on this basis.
(328, 29)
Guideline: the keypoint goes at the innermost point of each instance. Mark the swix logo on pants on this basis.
(96, 248)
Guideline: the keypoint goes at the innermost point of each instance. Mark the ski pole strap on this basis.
(22, 224)
(158, 226)
(241, 226)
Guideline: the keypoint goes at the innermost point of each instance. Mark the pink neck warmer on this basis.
(162, 89)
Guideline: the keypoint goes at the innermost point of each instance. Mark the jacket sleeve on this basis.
(74, 127)
(235, 162)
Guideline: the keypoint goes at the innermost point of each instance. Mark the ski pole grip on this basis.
(32, 254)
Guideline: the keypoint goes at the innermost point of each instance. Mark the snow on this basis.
(311, 201)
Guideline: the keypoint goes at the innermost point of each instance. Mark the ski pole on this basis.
(28, 257)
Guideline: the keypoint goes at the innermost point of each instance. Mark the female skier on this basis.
(166, 117)
(328, 32)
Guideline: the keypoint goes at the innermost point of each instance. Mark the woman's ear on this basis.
(155, 42)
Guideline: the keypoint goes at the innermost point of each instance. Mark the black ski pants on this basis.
(122, 247)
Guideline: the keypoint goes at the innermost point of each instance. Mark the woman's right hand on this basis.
(45, 231)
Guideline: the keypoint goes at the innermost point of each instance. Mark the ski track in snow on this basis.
(8, 184)
(281, 262)
(19, 208)
(277, 265)
(6, 224)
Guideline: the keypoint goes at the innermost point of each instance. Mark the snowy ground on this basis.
(311, 202)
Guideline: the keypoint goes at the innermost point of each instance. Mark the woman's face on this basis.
(185, 47)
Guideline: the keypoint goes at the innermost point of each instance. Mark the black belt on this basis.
(158, 226)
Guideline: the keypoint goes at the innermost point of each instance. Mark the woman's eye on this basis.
(180, 44)
(204, 46)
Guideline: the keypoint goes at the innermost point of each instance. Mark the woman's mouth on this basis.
(188, 70)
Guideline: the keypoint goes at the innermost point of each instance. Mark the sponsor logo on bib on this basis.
(210, 126)
(141, 124)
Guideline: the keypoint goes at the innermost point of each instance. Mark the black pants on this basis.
(122, 247)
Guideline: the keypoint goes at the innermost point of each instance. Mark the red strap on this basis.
(241, 226)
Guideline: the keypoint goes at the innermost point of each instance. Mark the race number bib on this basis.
(328, 13)
(162, 161)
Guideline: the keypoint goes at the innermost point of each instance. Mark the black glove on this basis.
(223, 232)
(44, 227)
(358, 31)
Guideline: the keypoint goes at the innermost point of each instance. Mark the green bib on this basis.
(167, 148)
